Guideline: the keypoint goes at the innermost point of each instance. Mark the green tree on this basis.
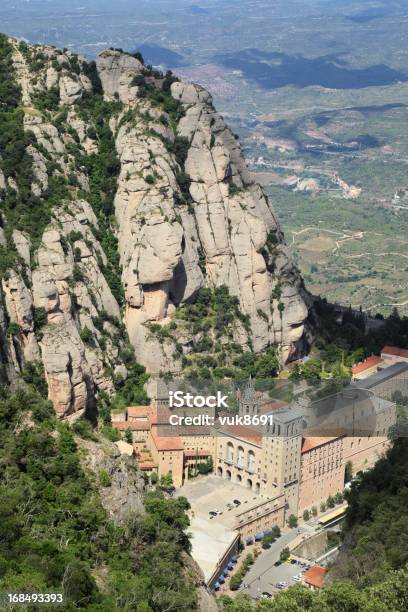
(235, 581)
(166, 482)
(292, 521)
(330, 502)
(154, 478)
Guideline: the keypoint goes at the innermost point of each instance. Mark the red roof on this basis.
(166, 443)
(315, 576)
(132, 425)
(138, 411)
(367, 364)
(160, 416)
(311, 443)
(395, 351)
(147, 465)
(243, 432)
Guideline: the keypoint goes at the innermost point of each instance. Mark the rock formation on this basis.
(170, 193)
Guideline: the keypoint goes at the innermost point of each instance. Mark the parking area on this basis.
(269, 581)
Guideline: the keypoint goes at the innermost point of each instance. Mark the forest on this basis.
(55, 535)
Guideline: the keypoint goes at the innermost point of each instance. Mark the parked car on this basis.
(266, 595)
(215, 512)
(277, 563)
(237, 502)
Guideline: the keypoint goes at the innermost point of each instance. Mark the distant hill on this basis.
(160, 56)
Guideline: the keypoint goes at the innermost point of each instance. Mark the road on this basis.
(263, 574)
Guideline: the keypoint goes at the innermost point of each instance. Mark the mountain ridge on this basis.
(128, 210)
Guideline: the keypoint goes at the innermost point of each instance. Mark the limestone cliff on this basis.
(130, 195)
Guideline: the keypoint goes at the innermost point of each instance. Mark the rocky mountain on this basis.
(125, 200)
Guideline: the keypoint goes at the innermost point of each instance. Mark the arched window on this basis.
(251, 461)
(230, 451)
(240, 459)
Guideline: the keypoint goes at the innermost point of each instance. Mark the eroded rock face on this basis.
(183, 221)
(125, 494)
(227, 224)
(117, 71)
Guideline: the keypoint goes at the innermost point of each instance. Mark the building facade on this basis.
(297, 460)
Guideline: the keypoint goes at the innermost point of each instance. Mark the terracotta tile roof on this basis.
(311, 443)
(315, 576)
(166, 443)
(367, 364)
(132, 425)
(160, 416)
(147, 465)
(138, 411)
(243, 432)
(395, 351)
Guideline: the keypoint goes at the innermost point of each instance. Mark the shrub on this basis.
(330, 502)
(40, 317)
(235, 581)
(233, 189)
(154, 478)
(83, 428)
(339, 497)
(104, 479)
(13, 329)
(292, 521)
(86, 336)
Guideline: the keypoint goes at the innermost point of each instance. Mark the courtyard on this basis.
(211, 536)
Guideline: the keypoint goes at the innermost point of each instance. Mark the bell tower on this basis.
(247, 402)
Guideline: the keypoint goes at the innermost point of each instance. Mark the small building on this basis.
(367, 367)
(313, 578)
(168, 454)
(394, 354)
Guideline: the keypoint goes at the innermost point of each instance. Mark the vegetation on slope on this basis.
(55, 536)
